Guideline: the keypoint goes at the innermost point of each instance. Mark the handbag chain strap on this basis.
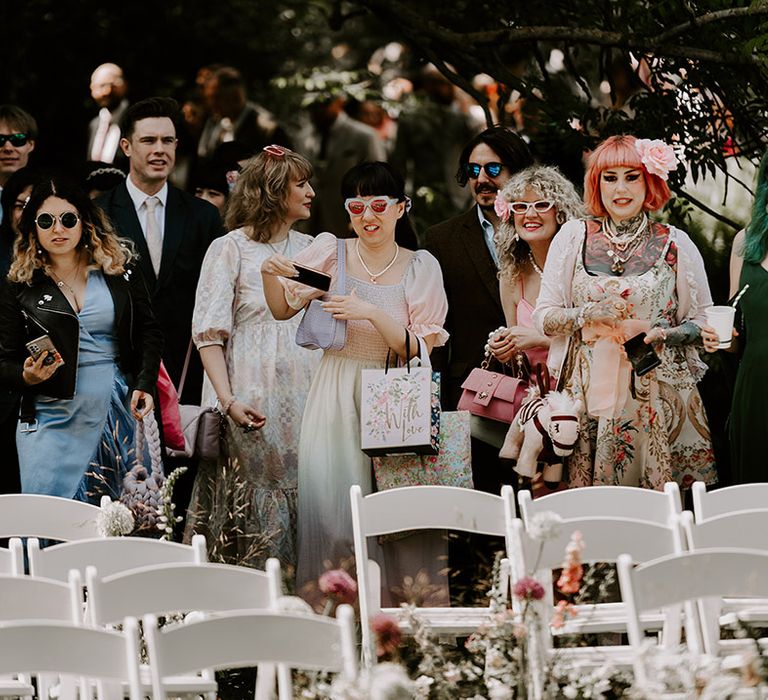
(520, 365)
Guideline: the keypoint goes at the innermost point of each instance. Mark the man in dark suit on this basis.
(171, 229)
(465, 249)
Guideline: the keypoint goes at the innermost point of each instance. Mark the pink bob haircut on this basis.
(618, 152)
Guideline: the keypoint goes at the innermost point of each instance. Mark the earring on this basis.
(39, 251)
(560, 218)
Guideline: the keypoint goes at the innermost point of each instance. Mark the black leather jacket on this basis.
(29, 311)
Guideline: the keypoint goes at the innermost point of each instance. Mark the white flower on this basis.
(114, 520)
(545, 525)
(390, 681)
(422, 684)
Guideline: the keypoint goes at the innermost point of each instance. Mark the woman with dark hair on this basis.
(619, 275)
(254, 372)
(71, 280)
(749, 409)
(390, 291)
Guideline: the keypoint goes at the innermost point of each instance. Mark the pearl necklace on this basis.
(627, 245)
(365, 267)
(533, 262)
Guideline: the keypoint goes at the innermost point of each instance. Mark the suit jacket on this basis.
(190, 226)
(115, 154)
(474, 304)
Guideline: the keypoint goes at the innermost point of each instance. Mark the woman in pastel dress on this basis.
(607, 279)
(389, 290)
(245, 503)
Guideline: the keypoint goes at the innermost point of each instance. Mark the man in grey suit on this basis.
(465, 249)
(171, 229)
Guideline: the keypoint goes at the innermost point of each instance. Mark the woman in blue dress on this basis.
(71, 280)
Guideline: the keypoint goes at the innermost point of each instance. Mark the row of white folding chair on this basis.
(687, 578)
(228, 641)
(424, 508)
(731, 499)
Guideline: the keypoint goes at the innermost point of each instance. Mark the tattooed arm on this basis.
(687, 333)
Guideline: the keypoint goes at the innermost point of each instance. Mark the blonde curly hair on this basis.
(551, 185)
(103, 248)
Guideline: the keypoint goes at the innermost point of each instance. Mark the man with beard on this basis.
(465, 248)
(108, 89)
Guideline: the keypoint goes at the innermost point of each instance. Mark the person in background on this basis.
(14, 198)
(611, 277)
(108, 90)
(101, 177)
(533, 205)
(71, 280)
(209, 182)
(390, 292)
(18, 133)
(749, 407)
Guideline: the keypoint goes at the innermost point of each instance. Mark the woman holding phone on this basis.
(612, 277)
(74, 301)
(245, 504)
(390, 291)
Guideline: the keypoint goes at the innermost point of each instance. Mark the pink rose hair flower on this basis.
(339, 585)
(501, 207)
(528, 588)
(388, 635)
(658, 157)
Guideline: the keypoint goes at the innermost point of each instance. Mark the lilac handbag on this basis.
(319, 330)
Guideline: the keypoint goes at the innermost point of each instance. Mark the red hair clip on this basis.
(274, 150)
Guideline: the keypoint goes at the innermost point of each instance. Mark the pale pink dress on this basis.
(525, 318)
(330, 458)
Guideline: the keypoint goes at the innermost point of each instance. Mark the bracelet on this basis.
(224, 408)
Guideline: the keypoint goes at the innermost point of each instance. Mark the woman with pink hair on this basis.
(618, 276)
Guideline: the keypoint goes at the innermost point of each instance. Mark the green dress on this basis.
(749, 412)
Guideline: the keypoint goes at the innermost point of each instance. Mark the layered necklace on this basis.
(621, 244)
(61, 284)
(535, 266)
(374, 275)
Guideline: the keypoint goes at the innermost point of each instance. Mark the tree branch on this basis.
(708, 210)
(709, 18)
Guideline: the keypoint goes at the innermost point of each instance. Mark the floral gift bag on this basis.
(451, 466)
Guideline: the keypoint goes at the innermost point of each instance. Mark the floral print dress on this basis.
(661, 434)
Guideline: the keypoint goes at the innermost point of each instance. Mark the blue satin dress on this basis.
(83, 446)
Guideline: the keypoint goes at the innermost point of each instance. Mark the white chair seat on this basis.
(443, 621)
(604, 617)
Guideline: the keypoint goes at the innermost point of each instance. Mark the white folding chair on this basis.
(110, 555)
(606, 501)
(42, 647)
(24, 598)
(736, 529)
(232, 640)
(710, 504)
(180, 588)
(686, 578)
(48, 517)
(420, 508)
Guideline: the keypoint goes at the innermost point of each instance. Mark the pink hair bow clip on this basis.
(275, 150)
(658, 157)
(501, 207)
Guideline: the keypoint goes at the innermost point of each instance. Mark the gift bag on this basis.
(400, 408)
(451, 466)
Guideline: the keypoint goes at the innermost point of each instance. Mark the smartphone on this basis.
(42, 344)
(641, 355)
(312, 278)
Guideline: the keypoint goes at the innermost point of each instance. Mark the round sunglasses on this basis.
(17, 140)
(540, 207)
(491, 169)
(357, 207)
(68, 219)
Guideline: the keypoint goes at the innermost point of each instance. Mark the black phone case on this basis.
(312, 278)
(642, 357)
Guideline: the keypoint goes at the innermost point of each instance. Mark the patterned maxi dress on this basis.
(246, 503)
(662, 433)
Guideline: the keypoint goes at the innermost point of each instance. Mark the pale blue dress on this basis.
(83, 446)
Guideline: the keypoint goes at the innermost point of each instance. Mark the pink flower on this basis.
(501, 207)
(562, 609)
(657, 157)
(528, 588)
(388, 636)
(338, 584)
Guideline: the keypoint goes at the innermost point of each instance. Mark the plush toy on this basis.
(551, 421)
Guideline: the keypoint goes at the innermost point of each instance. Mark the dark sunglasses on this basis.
(17, 140)
(491, 169)
(68, 220)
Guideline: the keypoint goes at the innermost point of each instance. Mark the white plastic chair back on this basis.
(48, 517)
(710, 504)
(110, 555)
(231, 640)
(419, 508)
(12, 558)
